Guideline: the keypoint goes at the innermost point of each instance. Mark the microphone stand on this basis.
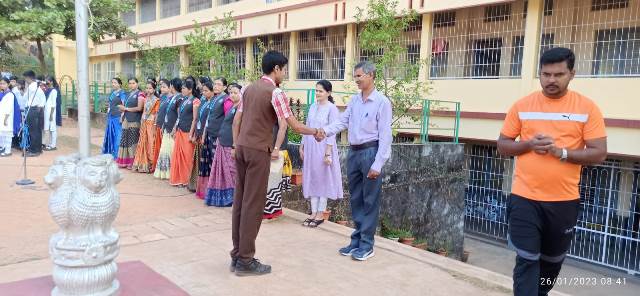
(24, 181)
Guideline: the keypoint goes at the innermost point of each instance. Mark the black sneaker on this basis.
(254, 267)
(234, 262)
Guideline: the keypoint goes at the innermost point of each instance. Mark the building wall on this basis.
(484, 101)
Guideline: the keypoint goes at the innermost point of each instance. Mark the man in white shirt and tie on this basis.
(36, 100)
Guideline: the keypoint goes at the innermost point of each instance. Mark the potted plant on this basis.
(420, 244)
(296, 177)
(465, 256)
(406, 237)
(326, 214)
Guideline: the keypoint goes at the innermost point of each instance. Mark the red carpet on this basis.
(136, 279)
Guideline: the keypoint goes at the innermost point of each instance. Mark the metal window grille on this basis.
(475, 48)
(605, 36)
(497, 13)
(111, 70)
(410, 39)
(225, 2)
(238, 49)
(128, 65)
(609, 4)
(321, 54)
(129, 18)
(608, 228)
(469, 46)
(169, 8)
(279, 42)
(196, 5)
(97, 72)
(147, 11)
(547, 9)
(444, 19)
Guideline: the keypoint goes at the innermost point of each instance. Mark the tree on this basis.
(396, 75)
(208, 56)
(255, 72)
(37, 20)
(157, 62)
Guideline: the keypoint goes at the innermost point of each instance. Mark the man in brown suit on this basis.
(263, 104)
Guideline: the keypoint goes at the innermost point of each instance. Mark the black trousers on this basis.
(541, 233)
(35, 122)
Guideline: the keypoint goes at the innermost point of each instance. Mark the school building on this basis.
(483, 54)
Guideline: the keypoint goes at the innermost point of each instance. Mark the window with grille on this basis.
(444, 19)
(465, 45)
(238, 49)
(517, 52)
(129, 18)
(439, 57)
(225, 2)
(486, 55)
(548, 7)
(196, 5)
(322, 54)
(278, 42)
(147, 11)
(128, 65)
(415, 25)
(617, 52)
(111, 70)
(497, 13)
(97, 72)
(303, 36)
(169, 8)
(602, 34)
(609, 4)
(409, 39)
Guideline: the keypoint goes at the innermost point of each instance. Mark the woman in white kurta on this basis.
(6, 117)
(50, 133)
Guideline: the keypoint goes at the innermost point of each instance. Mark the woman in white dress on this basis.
(50, 134)
(7, 101)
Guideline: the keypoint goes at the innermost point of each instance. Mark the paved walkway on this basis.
(176, 235)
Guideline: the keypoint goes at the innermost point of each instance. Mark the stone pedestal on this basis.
(84, 203)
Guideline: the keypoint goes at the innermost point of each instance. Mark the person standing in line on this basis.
(162, 112)
(263, 103)
(218, 96)
(163, 166)
(113, 130)
(18, 89)
(321, 173)
(9, 109)
(36, 101)
(51, 114)
(130, 136)
(182, 156)
(197, 154)
(559, 130)
(368, 119)
(222, 179)
(143, 161)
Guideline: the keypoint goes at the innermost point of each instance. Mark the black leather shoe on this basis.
(234, 262)
(253, 267)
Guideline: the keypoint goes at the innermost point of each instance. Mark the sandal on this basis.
(307, 222)
(315, 223)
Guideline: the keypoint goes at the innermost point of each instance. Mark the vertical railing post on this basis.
(73, 94)
(426, 119)
(457, 123)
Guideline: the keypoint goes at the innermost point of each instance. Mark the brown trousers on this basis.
(252, 167)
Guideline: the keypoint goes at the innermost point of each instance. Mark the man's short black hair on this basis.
(29, 74)
(272, 59)
(558, 55)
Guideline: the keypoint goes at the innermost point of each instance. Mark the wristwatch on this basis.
(565, 155)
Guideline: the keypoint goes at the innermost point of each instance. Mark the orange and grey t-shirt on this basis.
(570, 121)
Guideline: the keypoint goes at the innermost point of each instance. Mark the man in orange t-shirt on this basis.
(559, 130)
